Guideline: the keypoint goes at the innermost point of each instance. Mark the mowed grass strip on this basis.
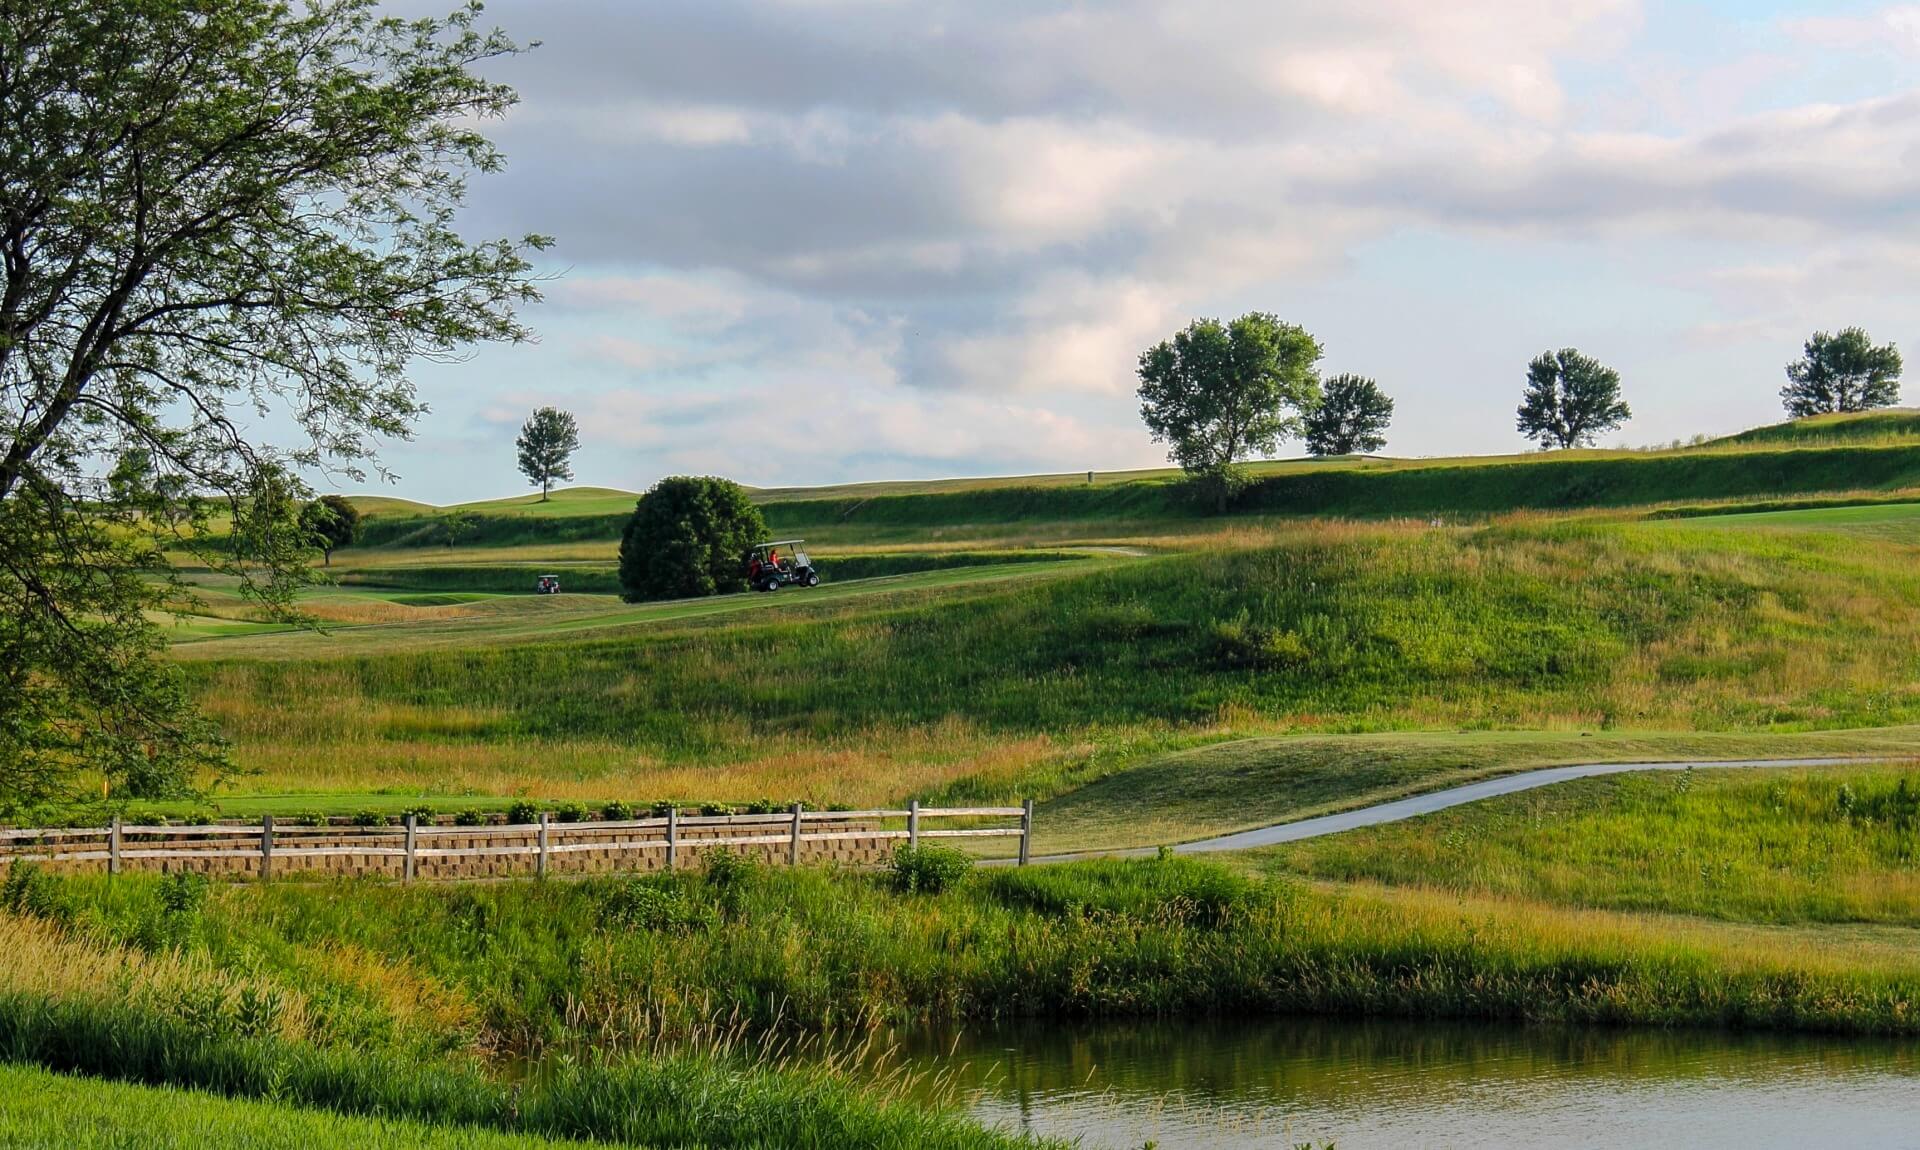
(40, 1110)
(1826, 845)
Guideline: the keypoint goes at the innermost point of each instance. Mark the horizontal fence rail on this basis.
(790, 836)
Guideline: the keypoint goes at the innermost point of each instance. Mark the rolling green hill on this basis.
(1888, 425)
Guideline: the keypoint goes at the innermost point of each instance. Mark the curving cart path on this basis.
(1399, 809)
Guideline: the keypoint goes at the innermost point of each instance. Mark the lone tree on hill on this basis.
(547, 441)
(1570, 399)
(688, 537)
(1351, 419)
(1843, 372)
(208, 206)
(331, 522)
(1218, 393)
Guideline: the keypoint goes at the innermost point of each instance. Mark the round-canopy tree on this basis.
(1570, 399)
(1218, 393)
(546, 443)
(688, 537)
(1351, 419)
(208, 208)
(331, 522)
(1843, 372)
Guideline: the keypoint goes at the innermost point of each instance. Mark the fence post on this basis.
(266, 847)
(113, 846)
(409, 866)
(793, 848)
(673, 836)
(1026, 831)
(913, 823)
(540, 867)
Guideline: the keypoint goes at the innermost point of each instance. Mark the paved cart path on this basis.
(1398, 809)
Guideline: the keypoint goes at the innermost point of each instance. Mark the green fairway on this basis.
(488, 620)
(1895, 522)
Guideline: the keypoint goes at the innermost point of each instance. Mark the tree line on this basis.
(1220, 393)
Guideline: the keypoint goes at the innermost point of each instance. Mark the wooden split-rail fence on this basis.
(433, 850)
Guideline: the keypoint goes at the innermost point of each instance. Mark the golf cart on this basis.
(771, 566)
(547, 585)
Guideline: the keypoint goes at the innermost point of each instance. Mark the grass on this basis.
(874, 691)
(1889, 425)
(149, 981)
(638, 965)
(40, 1110)
(1815, 461)
(1833, 845)
(1217, 788)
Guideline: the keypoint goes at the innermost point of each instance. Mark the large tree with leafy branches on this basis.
(211, 212)
(1842, 372)
(1570, 400)
(1351, 418)
(1217, 393)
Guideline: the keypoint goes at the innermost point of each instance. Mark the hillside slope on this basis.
(1653, 626)
(1358, 489)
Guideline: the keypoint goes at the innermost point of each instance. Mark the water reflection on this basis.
(1234, 1086)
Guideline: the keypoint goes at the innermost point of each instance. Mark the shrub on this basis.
(730, 876)
(927, 870)
(1168, 889)
(370, 819)
(616, 811)
(421, 813)
(688, 537)
(649, 904)
(1237, 645)
(522, 812)
(29, 890)
(470, 817)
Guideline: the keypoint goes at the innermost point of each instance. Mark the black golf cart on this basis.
(780, 563)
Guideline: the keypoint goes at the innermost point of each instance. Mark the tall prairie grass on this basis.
(1327, 628)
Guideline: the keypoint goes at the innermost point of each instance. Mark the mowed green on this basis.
(1893, 522)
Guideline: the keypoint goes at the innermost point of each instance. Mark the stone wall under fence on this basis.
(438, 851)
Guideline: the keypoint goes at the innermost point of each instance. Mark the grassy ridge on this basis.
(1834, 845)
(1468, 487)
(1884, 426)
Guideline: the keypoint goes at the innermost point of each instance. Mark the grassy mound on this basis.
(1827, 845)
(1598, 626)
(1890, 425)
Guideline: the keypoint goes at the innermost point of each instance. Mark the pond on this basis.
(1362, 1085)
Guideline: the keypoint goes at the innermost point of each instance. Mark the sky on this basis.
(813, 241)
